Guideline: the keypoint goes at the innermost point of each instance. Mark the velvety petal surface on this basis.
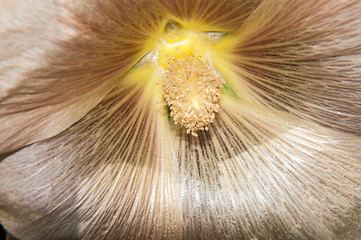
(280, 161)
(60, 58)
(259, 174)
(225, 16)
(304, 57)
(124, 171)
(113, 175)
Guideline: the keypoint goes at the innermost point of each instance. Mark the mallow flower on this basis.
(180, 119)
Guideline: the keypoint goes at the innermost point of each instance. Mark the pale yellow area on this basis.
(184, 47)
(191, 37)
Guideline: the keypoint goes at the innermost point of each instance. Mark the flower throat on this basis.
(181, 74)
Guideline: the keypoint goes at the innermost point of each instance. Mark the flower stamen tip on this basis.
(191, 89)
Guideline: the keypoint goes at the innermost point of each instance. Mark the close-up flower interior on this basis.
(180, 119)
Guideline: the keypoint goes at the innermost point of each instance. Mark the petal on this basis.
(256, 174)
(59, 63)
(305, 58)
(259, 174)
(110, 176)
(219, 15)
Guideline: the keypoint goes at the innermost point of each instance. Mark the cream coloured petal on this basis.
(112, 175)
(58, 63)
(304, 57)
(259, 174)
(256, 174)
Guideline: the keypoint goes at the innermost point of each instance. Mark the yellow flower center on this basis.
(183, 61)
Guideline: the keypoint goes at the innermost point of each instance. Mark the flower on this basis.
(101, 138)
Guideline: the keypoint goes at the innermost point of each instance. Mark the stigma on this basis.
(191, 89)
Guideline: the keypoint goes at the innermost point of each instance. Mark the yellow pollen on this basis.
(191, 89)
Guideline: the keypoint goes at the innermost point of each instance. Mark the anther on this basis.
(191, 89)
